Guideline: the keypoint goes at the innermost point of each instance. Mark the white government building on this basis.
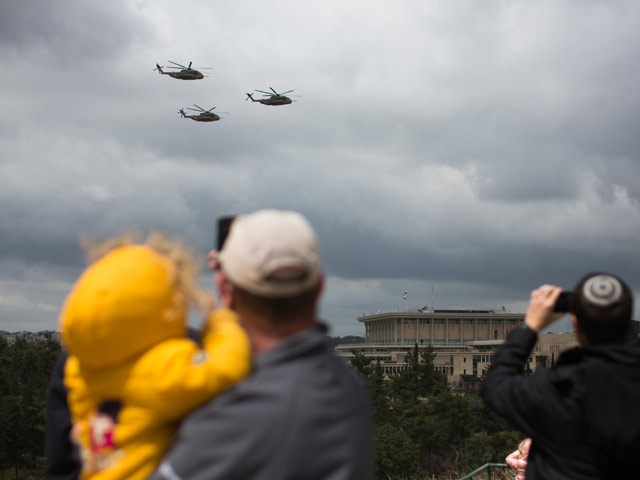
(463, 340)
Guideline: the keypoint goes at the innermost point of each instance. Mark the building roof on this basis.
(443, 314)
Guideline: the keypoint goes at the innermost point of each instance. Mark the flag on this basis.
(379, 310)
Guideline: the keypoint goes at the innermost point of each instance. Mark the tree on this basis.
(423, 428)
(420, 378)
(25, 371)
(397, 456)
(360, 362)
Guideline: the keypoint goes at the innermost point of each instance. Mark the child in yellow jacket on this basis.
(131, 372)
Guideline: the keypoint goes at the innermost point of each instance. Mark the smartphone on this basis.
(563, 304)
(224, 225)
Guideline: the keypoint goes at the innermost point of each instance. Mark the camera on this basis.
(224, 225)
(563, 304)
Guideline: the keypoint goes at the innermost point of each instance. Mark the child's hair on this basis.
(603, 306)
(186, 263)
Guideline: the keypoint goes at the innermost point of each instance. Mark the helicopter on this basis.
(203, 116)
(186, 73)
(274, 98)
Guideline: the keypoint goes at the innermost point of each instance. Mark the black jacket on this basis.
(583, 415)
(63, 461)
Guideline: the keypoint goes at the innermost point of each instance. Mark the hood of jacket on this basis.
(121, 305)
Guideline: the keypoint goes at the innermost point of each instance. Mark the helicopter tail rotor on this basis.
(159, 69)
(181, 112)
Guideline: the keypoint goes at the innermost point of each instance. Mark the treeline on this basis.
(424, 430)
(25, 371)
(346, 340)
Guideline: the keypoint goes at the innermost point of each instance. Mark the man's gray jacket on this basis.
(302, 414)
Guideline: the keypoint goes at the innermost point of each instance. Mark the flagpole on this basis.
(432, 298)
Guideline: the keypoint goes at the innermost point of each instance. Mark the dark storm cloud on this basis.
(69, 31)
(353, 252)
(480, 149)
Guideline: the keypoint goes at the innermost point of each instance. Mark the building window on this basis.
(495, 334)
(464, 360)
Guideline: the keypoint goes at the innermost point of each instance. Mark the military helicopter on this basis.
(203, 116)
(274, 98)
(186, 73)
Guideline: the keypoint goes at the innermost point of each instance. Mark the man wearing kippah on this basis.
(302, 414)
(583, 415)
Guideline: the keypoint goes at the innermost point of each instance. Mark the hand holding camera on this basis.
(563, 304)
(541, 311)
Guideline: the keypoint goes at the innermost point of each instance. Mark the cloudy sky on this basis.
(473, 149)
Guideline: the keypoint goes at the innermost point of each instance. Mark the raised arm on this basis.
(177, 375)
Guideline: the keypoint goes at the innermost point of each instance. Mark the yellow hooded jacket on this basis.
(131, 373)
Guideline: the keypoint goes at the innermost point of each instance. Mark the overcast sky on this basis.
(473, 149)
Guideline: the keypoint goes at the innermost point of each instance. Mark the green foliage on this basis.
(360, 362)
(481, 447)
(25, 371)
(420, 379)
(397, 456)
(423, 429)
(346, 340)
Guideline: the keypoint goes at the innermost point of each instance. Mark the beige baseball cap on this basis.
(271, 253)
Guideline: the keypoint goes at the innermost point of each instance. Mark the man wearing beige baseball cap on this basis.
(302, 413)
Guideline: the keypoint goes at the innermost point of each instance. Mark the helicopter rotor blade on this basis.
(271, 88)
(265, 93)
(189, 67)
(288, 91)
(198, 106)
(181, 66)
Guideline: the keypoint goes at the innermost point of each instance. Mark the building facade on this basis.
(463, 341)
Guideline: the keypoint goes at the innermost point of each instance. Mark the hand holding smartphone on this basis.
(563, 304)
(224, 225)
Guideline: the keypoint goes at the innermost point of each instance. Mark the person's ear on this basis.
(582, 339)
(574, 322)
(225, 290)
